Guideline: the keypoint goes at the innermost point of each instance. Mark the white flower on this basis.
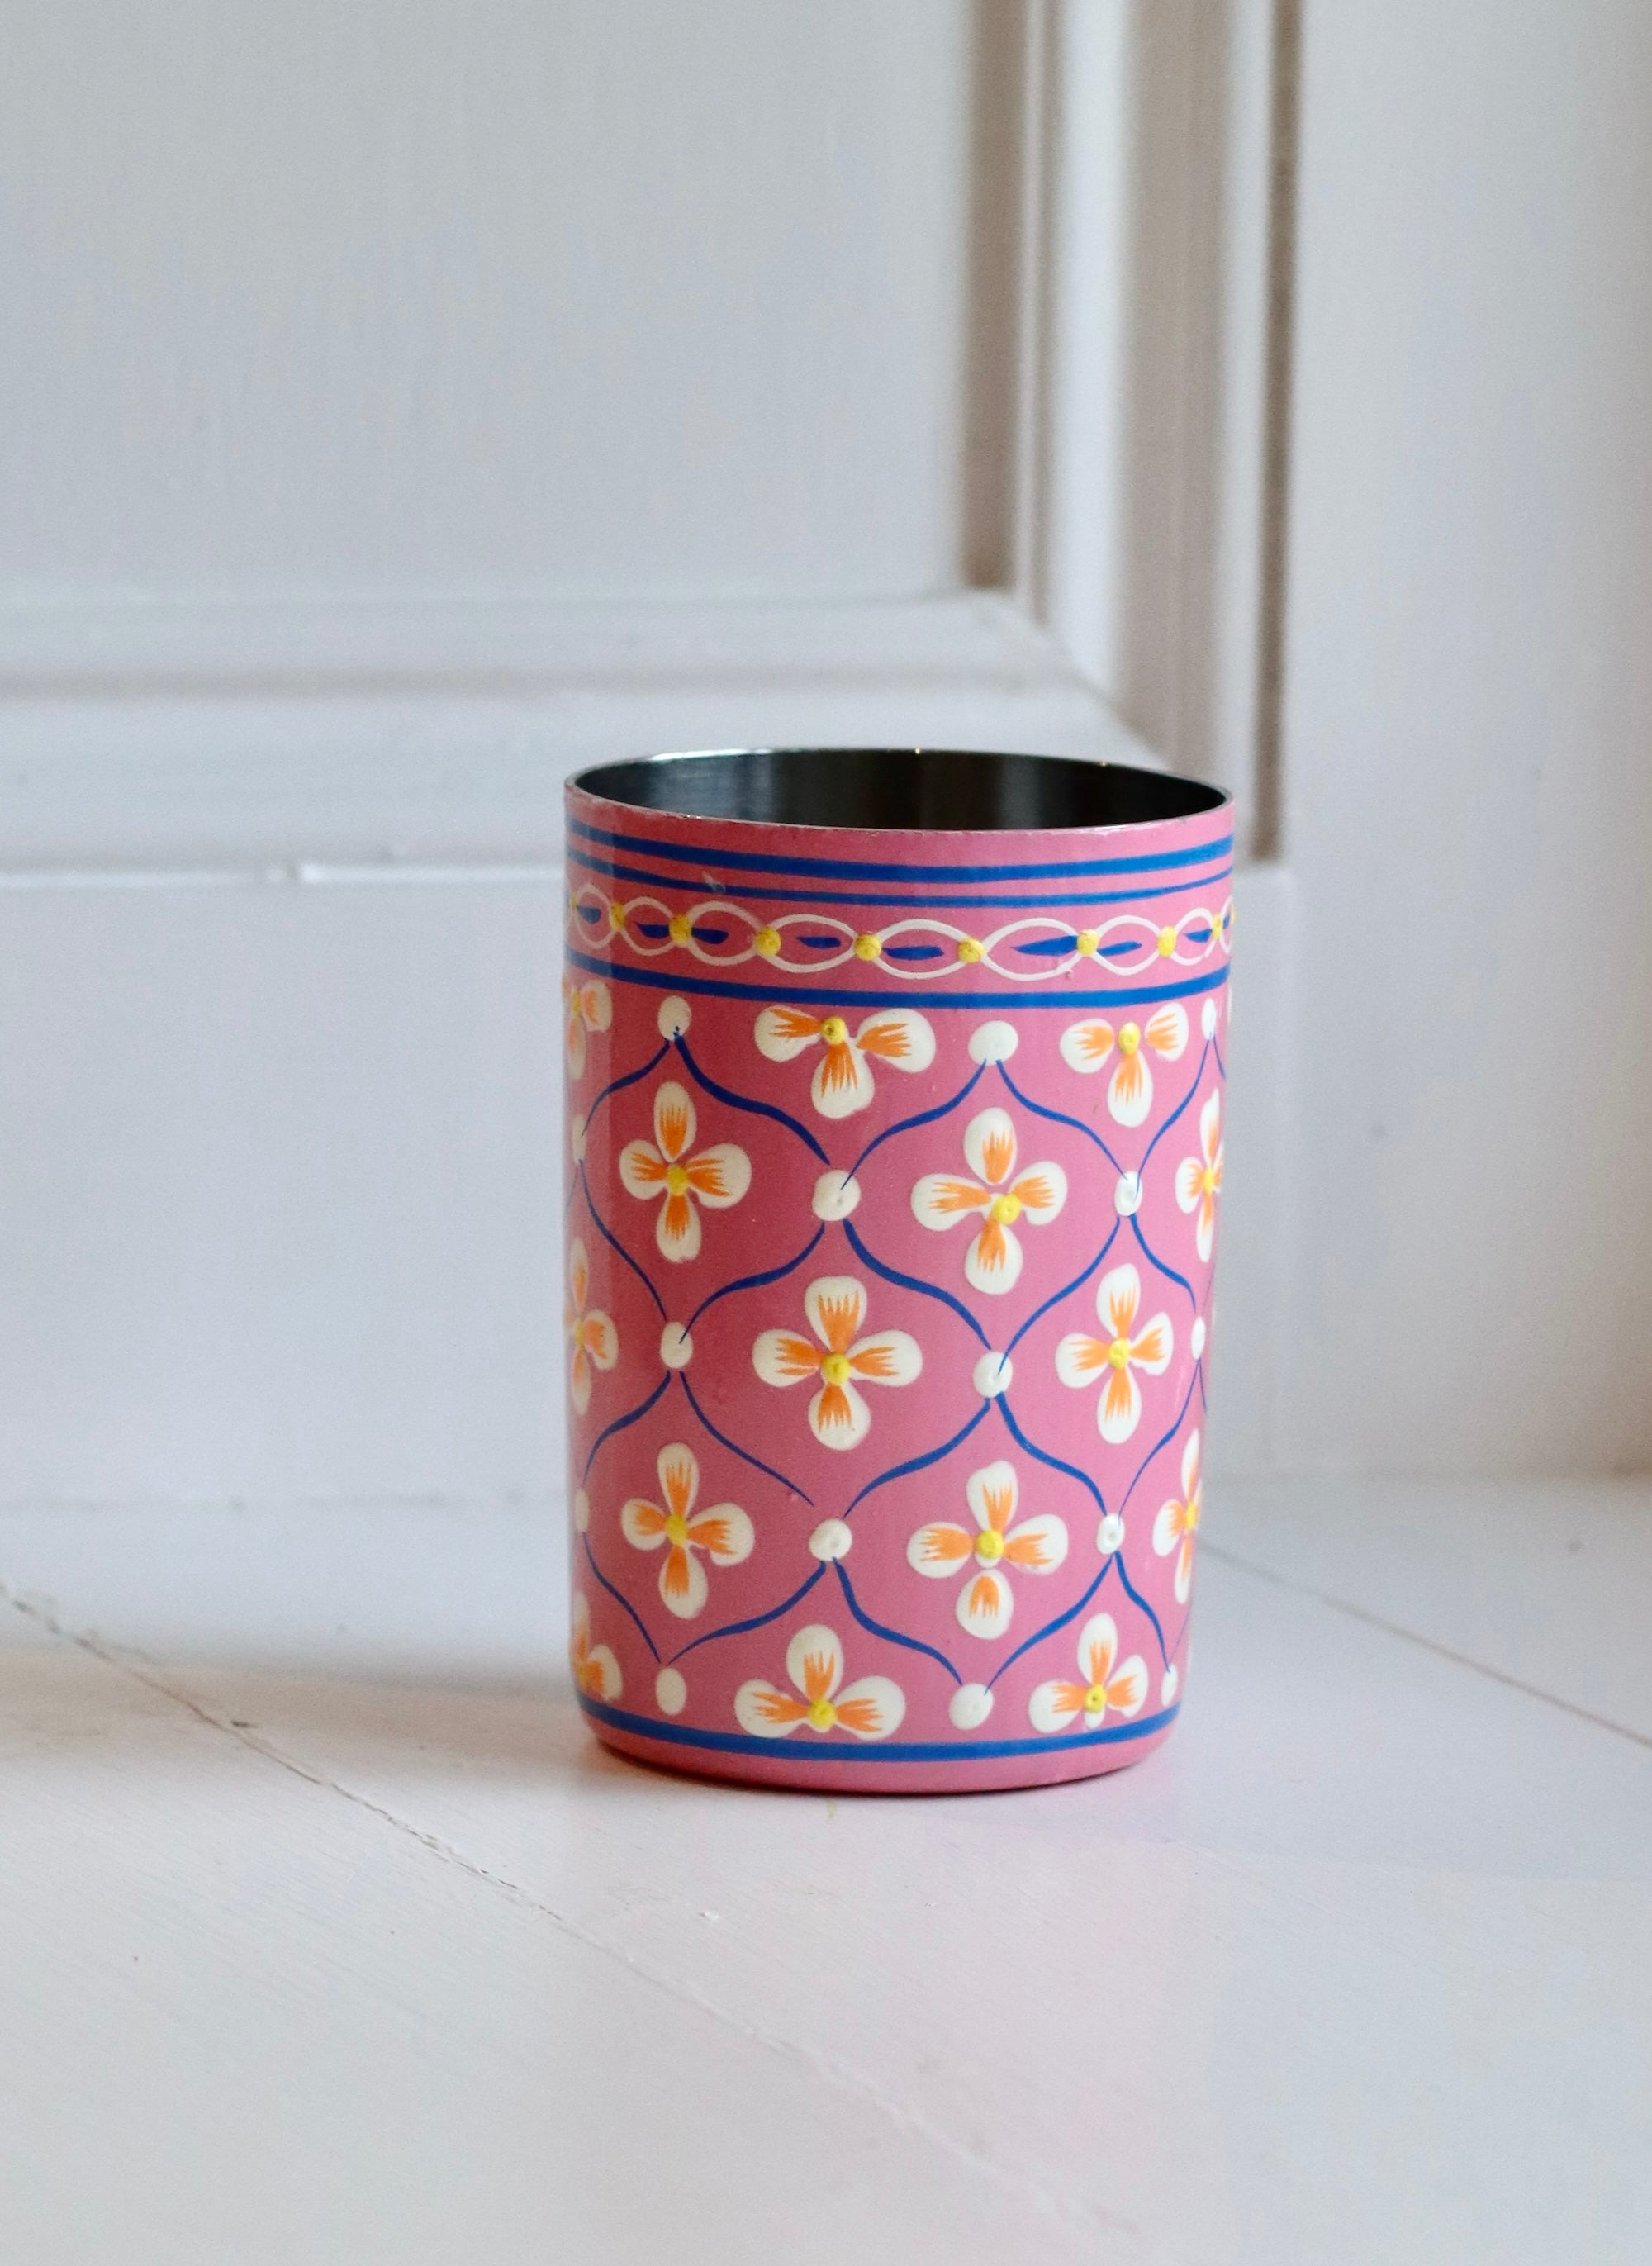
(1121, 1354)
(594, 1339)
(595, 1670)
(842, 1081)
(835, 1306)
(718, 1177)
(1087, 1046)
(724, 1532)
(941, 1550)
(1109, 1686)
(870, 1708)
(1199, 1179)
(998, 1196)
(588, 1007)
(1177, 1520)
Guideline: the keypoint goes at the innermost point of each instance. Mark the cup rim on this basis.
(913, 789)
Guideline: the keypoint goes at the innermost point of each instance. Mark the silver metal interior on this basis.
(937, 789)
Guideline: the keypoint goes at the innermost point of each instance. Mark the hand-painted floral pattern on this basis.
(1110, 1686)
(998, 1196)
(943, 1551)
(1125, 1349)
(1199, 1179)
(1177, 1520)
(870, 1708)
(836, 1305)
(716, 1177)
(592, 1336)
(588, 1007)
(842, 1081)
(595, 1670)
(724, 1532)
(1089, 1045)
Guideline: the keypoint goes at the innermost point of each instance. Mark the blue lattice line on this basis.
(743, 1101)
(1141, 1603)
(1059, 1117)
(1183, 1105)
(1155, 1261)
(735, 1448)
(1077, 1283)
(918, 1463)
(924, 1117)
(608, 1235)
(624, 1424)
(755, 1282)
(757, 1620)
(913, 1283)
(893, 1636)
(590, 1559)
(618, 1085)
(1043, 1455)
(1070, 1613)
(1162, 1443)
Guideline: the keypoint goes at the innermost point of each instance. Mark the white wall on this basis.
(1469, 737)
(393, 298)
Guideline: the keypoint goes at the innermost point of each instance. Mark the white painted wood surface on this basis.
(325, 1932)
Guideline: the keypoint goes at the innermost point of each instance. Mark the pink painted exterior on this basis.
(682, 933)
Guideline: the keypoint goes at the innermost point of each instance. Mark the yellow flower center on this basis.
(1119, 1353)
(676, 1180)
(1004, 1210)
(681, 928)
(1167, 942)
(1095, 1699)
(835, 1031)
(676, 1528)
(1130, 1039)
(868, 947)
(766, 941)
(835, 1368)
(1088, 941)
(988, 1546)
(822, 1714)
(616, 914)
(970, 948)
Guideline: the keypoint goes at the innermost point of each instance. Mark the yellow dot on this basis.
(676, 1180)
(1088, 941)
(766, 941)
(1167, 942)
(970, 948)
(1119, 1353)
(1007, 1210)
(1130, 1039)
(682, 928)
(822, 1714)
(616, 914)
(1095, 1699)
(868, 947)
(988, 1546)
(834, 1030)
(676, 1528)
(835, 1369)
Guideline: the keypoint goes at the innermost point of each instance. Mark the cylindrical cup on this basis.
(894, 1100)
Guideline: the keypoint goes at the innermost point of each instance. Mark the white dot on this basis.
(676, 1346)
(674, 1016)
(1126, 1196)
(670, 1691)
(1109, 1536)
(992, 1374)
(1196, 1336)
(1169, 1688)
(969, 1707)
(993, 1042)
(836, 1195)
(830, 1539)
(581, 1512)
(576, 1135)
(1207, 1020)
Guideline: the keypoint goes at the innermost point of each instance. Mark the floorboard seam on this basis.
(1073, 2215)
(1362, 1613)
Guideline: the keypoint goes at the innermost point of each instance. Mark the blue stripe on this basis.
(1020, 902)
(978, 1002)
(832, 1754)
(851, 869)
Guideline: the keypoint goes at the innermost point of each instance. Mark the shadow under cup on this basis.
(895, 1095)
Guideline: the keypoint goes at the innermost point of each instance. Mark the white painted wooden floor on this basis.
(325, 1934)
